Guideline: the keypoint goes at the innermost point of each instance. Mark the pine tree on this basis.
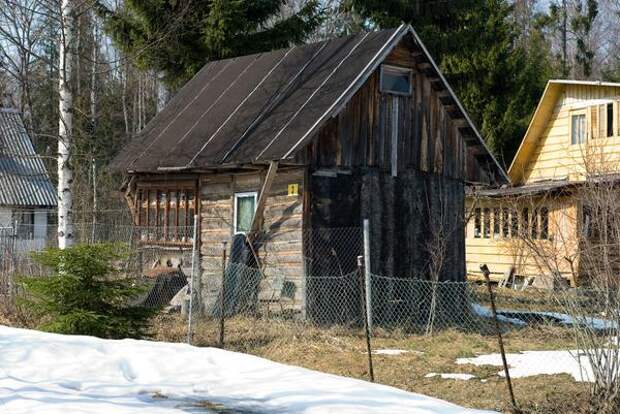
(176, 38)
(475, 44)
(85, 295)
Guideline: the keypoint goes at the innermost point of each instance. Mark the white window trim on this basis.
(402, 70)
(253, 194)
(570, 127)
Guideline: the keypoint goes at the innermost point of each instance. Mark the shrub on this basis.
(86, 295)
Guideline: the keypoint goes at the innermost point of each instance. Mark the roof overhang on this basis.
(540, 120)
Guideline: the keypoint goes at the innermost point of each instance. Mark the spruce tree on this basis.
(85, 294)
(176, 38)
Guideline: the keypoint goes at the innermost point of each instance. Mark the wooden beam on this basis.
(262, 197)
(132, 200)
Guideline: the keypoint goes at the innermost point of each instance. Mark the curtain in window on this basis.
(245, 213)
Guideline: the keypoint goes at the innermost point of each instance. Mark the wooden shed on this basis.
(290, 147)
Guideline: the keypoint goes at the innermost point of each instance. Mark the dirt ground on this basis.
(342, 351)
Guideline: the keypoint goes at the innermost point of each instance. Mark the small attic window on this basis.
(395, 80)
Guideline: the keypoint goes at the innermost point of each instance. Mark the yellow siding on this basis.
(547, 154)
(555, 158)
(529, 259)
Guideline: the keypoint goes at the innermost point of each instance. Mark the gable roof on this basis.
(554, 89)
(266, 107)
(24, 181)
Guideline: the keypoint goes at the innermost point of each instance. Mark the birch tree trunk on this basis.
(163, 94)
(65, 126)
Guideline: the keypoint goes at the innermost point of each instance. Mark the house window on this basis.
(24, 224)
(514, 224)
(477, 223)
(496, 222)
(395, 80)
(486, 213)
(245, 206)
(578, 129)
(544, 223)
(166, 214)
(610, 119)
(525, 221)
(505, 222)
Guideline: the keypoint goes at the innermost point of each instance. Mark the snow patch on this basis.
(395, 352)
(530, 363)
(456, 376)
(58, 374)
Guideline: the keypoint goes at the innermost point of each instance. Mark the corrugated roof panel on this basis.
(24, 181)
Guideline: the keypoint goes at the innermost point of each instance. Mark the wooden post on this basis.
(360, 267)
(367, 275)
(262, 197)
(485, 271)
(191, 283)
(223, 296)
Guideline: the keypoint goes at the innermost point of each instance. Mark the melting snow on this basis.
(58, 374)
(455, 376)
(530, 363)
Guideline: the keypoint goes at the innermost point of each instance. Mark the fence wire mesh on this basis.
(309, 309)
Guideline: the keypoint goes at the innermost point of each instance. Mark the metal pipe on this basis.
(485, 271)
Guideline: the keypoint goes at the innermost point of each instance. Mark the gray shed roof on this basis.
(24, 181)
(267, 106)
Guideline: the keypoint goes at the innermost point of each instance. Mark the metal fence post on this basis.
(485, 271)
(364, 296)
(367, 275)
(223, 296)
(191, 282)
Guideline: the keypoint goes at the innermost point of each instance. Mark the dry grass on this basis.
(342, 351)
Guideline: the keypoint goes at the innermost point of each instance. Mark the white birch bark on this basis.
(65, 126)
(163, 93)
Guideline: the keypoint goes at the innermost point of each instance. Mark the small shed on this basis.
(27, 194)
(290, 147)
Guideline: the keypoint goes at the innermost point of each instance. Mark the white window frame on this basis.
(253, 194)
(398, 69)
(570, 126)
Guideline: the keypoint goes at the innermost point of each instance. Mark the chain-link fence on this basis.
(303, 298)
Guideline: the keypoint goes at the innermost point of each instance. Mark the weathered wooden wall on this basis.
(280, 247)
(428, 138)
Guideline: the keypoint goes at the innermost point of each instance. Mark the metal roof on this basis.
(268, 106)
(24, 181)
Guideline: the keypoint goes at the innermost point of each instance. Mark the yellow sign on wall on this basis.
(293, 189)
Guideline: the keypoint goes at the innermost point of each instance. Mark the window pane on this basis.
(610, 119)
(245, 213)
(578, 129)
(486, 217)
(396, 81)
(514, 231)
(172, 216)
(525, 222)
(505, 222)
(496, 221)
(181, 212)
(544, 223)
(477, 230)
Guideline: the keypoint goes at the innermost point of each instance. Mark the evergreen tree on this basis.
(581, 25)
(176, 38)
(475, 44)
(85, 295)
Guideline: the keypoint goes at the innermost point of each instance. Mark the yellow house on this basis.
(532, 228)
